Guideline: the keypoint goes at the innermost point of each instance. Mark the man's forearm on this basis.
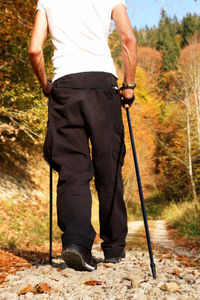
(38, 38)
(128, 42)
(37, 62)
(129, 51)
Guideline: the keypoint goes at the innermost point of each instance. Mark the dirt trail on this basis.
(133, 227)
(160, 237)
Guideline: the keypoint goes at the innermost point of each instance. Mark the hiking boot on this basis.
(114, 259)
(78, 258)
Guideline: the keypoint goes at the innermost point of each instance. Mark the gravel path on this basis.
(133, 227)
(130, 279)
(160, 235)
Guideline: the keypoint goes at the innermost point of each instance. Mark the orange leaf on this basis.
(26, 290)
(93, 282)
(176, 272)
(41, 288)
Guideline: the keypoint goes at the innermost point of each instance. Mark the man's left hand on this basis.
(47, 88)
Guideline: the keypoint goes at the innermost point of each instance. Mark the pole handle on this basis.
(126, 106)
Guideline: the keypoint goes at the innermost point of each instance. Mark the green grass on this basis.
(181, 216)
(154, 206)
(184, 217)
(2, 238)
(24, 224)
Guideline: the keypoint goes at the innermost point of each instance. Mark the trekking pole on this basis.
(47, 94)
(153, 267)
(50, 213)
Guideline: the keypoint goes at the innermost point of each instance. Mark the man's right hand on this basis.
(127, 97)
(127, 101)
(127, 93)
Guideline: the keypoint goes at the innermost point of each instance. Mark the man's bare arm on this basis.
(36, 48)
(128, 42)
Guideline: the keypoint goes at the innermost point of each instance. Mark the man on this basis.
(85, 104)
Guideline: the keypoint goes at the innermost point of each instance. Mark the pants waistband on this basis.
(86, 80)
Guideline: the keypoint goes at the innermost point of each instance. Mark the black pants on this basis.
(87, 106)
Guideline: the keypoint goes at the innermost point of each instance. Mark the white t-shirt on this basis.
(79, 31)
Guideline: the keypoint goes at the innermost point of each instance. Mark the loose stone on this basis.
(170, 286)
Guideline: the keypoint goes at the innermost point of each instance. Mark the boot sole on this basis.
(115, 260)
(75, 261)
(112, 260)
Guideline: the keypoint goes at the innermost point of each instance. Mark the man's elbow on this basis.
(129, 40)
(34, 51)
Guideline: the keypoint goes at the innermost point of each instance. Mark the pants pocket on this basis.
(119, 148)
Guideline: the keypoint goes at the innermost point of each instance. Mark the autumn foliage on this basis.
(149, 59)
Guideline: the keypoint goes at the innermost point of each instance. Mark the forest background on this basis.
(165, 119)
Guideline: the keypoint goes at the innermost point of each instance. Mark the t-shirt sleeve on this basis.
(40, 5)
(115, 2)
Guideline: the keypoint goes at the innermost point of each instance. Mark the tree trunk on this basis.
(188, 111)
(196, 90)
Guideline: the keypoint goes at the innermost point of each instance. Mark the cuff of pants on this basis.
(113, 252)
(77, 239)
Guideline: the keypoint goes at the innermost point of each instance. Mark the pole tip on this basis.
(153, 269)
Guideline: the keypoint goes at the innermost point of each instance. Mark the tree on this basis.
(190, 71)
(20, 104)
(167, 42)
(146, 37)
(189, 26)
(178, 137)
(23, 108)
(149, 59)
(190, 66)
